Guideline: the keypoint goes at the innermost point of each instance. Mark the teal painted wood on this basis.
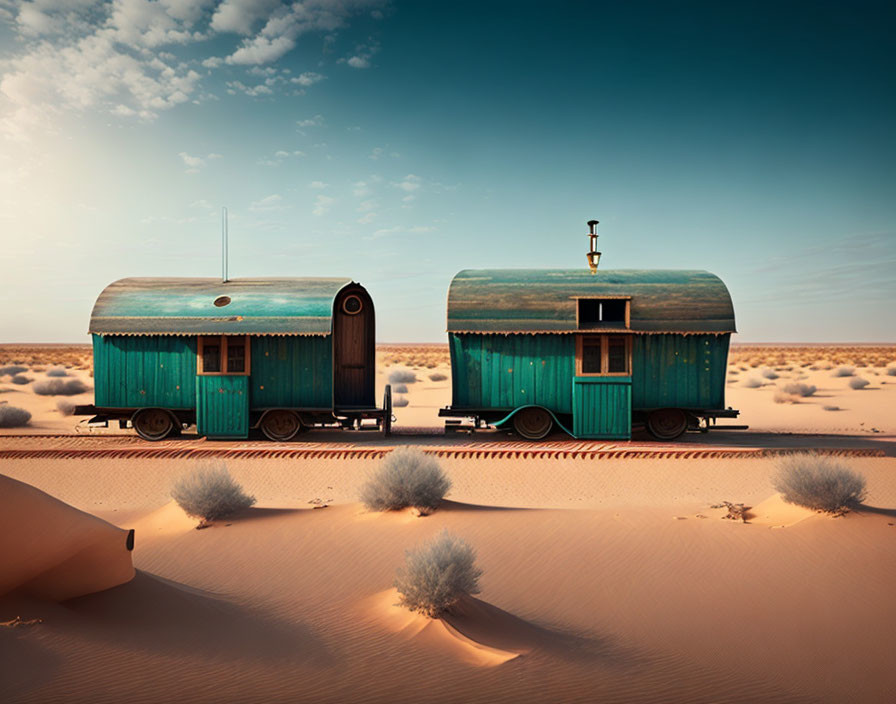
(508, 371)
(222, 406)
(602, 407)
(292, 371)
(679, 371)
(142, 372)
(165, 306)
(544, 300)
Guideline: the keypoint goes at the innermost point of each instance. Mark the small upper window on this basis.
(603, 312)
(236, 355)
(211, 358)
(352, 305)
(222, 301)
(223, 354)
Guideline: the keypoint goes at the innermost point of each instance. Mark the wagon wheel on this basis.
(533, 423)
(280, 426)
(387, 411)
(667, 423)
(153, 423)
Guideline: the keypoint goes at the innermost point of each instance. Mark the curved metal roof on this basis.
(169, 306)
(544, 300)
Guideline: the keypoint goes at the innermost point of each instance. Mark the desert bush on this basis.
(402, 376)
(400, 402)
(60, 387)
(770, 374)
(844, 371)
(830, 408)
(407, 477)
(57, 371)
(858, 383)
(209, 492)
(400, 389)
(12, 417)
(438, 376)
(819, 483)
(21, 379)
(752, 383)
(784, 397)
(437, 574)
(891, 371)
(65, 407)
(798, 389)
(12, 370)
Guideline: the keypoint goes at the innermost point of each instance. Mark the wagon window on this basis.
(211, 357)
(603, 312)
(617, 359)
(236, 355)
(603, 355)
(591, 355)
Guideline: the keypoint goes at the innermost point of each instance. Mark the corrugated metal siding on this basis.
(138, 372)
(602, 407)
(222, 408)
(507, 371)
(679, 371)
(545, 300)
(292, 371)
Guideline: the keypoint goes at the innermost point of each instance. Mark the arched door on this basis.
(354, 349)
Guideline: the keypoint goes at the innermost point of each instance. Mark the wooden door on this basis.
(353, 350)
(222, 386)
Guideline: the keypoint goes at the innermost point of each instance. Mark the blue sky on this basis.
(399, 142)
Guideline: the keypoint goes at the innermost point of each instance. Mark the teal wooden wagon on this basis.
(280, 355)
(593, 355)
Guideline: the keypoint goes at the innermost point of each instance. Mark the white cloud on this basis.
(367, 218)
(252, 91)
(361, 189)
(414, 230)
(361, 56)
(376, 153)
(318, 185)
(315, 121)
(309, 78)
(367, 205)
(267, 204)
(322, 205)
(240, 16)
(359, 62)
(409, 183)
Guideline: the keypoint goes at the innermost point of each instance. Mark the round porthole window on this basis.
(222, 301)
(352, 305)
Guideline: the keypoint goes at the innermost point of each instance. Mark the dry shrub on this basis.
(402, 376)
(783, 397)
(12, 370)
(891, 371)
(60, 387)
(57, 371)
(21, 380)
(752, 383)
(819, 483)
(830, 408)
(438, 376)
(770, 374)
(437, 574)
(844, 371)
(858, 383)
(400, 402)
(406, 477)
(209, 492)
(12, 417)
(65, 407)
(798, 389)
(400, 389)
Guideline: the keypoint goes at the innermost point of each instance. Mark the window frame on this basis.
(222, 341)
(602, 325)
(604, 353)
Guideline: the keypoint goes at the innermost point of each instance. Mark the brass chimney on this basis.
(593, 255)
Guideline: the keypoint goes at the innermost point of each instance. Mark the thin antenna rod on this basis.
(224, 243)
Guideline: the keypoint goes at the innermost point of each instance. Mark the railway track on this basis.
(129, 447)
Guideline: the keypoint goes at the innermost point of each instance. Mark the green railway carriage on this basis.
(593, 354)
(276, 354)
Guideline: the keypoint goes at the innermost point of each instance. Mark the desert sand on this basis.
(604, 580)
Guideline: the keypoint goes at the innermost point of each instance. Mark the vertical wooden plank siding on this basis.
(143, 371)
(508, 371)
(679, 371)
(602, 407)
(293, 371)
(222, 407)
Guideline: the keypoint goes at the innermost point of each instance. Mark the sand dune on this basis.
(54, 551)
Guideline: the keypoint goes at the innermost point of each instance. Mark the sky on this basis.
(397, 143)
